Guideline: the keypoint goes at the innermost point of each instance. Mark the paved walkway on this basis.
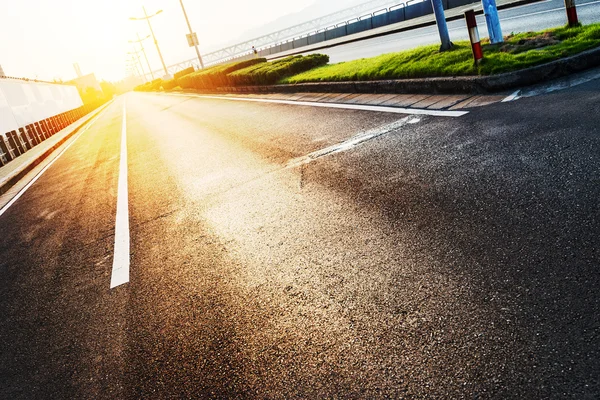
(421, 101)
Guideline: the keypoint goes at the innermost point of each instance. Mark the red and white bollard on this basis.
(474, 35)
(571, 13)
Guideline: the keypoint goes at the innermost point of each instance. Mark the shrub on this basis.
(146, 87)
(170, 84)
(272, 72)
(216, 76)
(140, 88)
(156, 84)
(183, 72)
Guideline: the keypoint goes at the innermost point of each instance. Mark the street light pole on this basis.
(134, 65)
(137, 56)
(191, 33)
(155, 41)
(147, 18)
(143, 51)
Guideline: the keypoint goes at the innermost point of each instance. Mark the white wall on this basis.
(23, 103)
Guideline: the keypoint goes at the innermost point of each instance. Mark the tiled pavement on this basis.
(422, 101)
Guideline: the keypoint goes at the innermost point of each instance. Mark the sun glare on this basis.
(97, 35)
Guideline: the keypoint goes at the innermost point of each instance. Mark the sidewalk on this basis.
(12, 172)
(416, 101)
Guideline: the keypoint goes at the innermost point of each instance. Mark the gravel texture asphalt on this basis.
(448, 258)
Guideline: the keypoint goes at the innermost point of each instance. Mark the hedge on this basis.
(170, 84)
(184, 72)
(213, 77)
(272, 72)
(249, 72)
(149, 86)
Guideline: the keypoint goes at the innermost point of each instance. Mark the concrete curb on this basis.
(451, 85)
(20, 173)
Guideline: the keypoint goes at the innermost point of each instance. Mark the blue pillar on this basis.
(440, 19)
(492, 20)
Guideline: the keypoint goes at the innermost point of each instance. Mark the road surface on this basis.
(447, 257)
(531, 17)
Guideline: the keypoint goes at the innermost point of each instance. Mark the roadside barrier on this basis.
(50, 123)
(46, 128)
(17, 142)
(25, 140)
(12, 145)
(5, 153)
(38, 139)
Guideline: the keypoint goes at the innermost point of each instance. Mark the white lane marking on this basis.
(561, 84)
(38, 176)
(393, 110)
(512, 97)
(566, 82)
(120, 271)
(353, 141)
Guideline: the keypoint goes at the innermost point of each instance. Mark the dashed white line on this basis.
(565, 82)
(120, 270)
(353, 141)
(393, 110)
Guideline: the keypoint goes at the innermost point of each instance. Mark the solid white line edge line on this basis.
(39, 174)
(394, 110)
(121, 258)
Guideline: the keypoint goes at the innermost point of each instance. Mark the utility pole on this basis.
(143, 51)
(192, 34)
(147, 18)
(132, 64)
(440, 20)
(136, 53)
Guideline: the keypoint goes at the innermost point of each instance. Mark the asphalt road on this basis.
(531, 17)
(447, 258)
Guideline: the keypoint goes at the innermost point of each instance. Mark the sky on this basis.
(41, 39)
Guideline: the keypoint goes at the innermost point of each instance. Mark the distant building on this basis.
(2, 75)
(88, 86)
(86, 81)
